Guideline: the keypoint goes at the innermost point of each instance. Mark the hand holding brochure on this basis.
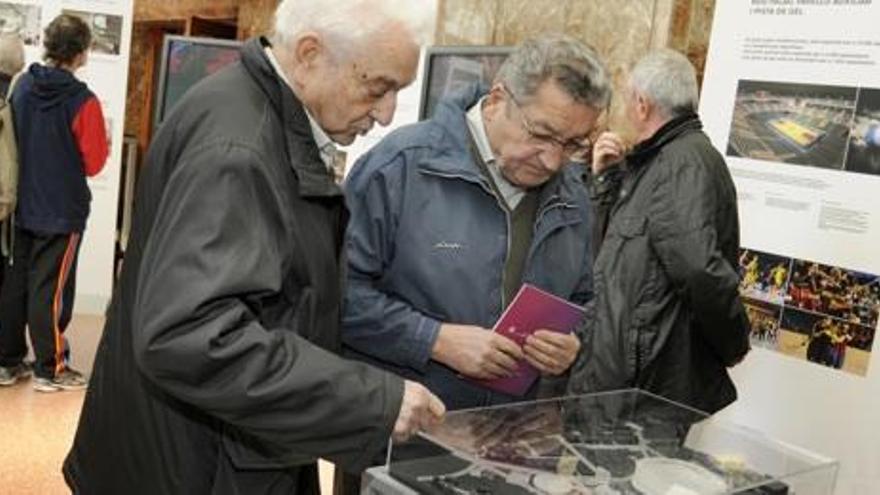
(531, 310)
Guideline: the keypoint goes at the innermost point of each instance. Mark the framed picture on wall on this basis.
(185, 61)
(106, 30)
(450, 68)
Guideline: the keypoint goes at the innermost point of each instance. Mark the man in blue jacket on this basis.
(452, 215)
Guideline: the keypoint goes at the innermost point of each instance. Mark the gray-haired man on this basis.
(452, 215)
(216, 372)
(667, 316)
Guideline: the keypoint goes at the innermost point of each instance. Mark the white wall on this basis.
(830, 412)
(834, 413)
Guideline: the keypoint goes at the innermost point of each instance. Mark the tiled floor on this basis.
(36, 429)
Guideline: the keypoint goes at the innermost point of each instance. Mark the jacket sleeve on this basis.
(376, 322)
(683, 234)
(583, 292)
(603, 190)
(215, 251)
(91, 136)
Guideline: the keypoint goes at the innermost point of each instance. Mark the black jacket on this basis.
(667, 316)
(216, 372)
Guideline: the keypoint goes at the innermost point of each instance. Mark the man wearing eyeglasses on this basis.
(452, 215)
(667, 316)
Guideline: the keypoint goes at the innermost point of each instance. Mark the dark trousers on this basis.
(3, 263)
(346, 483)
(37, 294)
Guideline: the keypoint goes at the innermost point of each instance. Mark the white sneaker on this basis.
(67, 379)
(44, 385)
(11, 375)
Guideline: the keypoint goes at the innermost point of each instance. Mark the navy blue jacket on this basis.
(427, 244)
(53, 196)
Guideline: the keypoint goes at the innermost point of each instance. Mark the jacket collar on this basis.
(448, 127)
(646, 150)
(302, 151)
(451, 129)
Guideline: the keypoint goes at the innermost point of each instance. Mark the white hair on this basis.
(347, 23)
(11, 54)
(668, 79)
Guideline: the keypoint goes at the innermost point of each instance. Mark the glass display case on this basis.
(623, 442)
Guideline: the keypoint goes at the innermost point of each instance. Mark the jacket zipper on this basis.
(461, 177)
(506, 258)
(535, 239)
(549, 208)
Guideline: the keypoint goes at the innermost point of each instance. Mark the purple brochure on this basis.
(531, 310)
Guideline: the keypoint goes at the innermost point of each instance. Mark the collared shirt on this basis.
(326, 146)
(512, 194)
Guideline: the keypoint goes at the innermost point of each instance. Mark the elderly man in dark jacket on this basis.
(667, 316)
(216, 372)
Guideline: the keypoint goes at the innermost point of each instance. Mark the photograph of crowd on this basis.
(764, 319)
(763, 276)
(820, 313)
(826, 340)
(830, 290)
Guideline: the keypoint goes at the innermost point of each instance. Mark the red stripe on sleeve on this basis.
(91, 137)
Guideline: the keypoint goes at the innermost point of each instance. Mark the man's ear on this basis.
(644, 107)
(81, 59)
(495, 101)
(496, 93)
(305, 55)
(307, 49)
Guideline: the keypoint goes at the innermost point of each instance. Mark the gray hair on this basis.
(668, 79)
(571, 64)
(11, 54)
(348, 23)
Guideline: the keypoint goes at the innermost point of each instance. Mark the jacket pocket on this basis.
(631, 227)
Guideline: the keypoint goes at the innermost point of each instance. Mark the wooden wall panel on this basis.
(620, 31)
(151, 17)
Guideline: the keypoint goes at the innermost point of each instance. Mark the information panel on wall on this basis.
(106, 75)
(791, 96)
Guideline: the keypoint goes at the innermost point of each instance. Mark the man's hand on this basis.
(476, 352)
(419, 410)
(608, 149)
(551, 352)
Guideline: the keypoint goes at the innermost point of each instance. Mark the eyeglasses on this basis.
(570, 148)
